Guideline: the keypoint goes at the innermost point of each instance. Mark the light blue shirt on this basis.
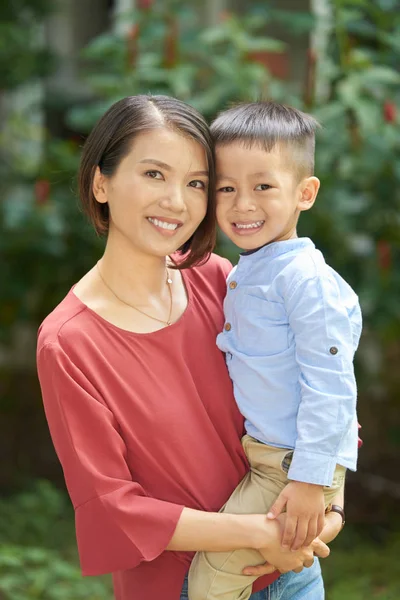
(292, 326)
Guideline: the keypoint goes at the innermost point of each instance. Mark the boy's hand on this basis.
(305, 510)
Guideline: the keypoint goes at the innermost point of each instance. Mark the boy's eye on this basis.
(262, 187)
(227, 189)
(198, 184)
(154, 174)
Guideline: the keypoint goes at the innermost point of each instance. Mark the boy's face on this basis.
(259, 197)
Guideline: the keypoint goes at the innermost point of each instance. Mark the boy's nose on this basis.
(244, 203)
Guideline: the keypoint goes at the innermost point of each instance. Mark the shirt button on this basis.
(233, 285)
(228, 327)
(333, 350)
(228, 355)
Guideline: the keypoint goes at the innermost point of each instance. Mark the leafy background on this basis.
(352, 84)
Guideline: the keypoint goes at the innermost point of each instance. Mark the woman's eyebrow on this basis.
(159, 163)
(164, 165)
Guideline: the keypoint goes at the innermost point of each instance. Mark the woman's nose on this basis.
(174, 200)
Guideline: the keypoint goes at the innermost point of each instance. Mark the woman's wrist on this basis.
(332, 528)
(264, 532)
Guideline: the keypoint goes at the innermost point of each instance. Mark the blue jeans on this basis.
(307, 585)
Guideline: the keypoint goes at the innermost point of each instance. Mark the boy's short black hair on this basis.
(267, 124)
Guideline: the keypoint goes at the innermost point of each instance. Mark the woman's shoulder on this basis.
(216, 267)
(68, 320)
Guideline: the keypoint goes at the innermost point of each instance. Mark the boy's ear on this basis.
(99, 186)
(308, 191)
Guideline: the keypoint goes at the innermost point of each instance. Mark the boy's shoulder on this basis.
(304, 265)
(308, 265)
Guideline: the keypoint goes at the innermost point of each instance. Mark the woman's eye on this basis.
(227, 190)
(154, 174)
(198, 184)
(262, 187)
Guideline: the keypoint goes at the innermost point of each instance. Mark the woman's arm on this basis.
(333, 521)
(219, 532)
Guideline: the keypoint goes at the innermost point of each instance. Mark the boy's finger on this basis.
(289, 532)
(312, 532)
(301, 534)
(277, 507)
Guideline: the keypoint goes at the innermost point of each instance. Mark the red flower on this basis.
(133, 35)
(384, 255)
(389, 112)
(144, 4)
(225, 15)
(171, 44)
(42, 191)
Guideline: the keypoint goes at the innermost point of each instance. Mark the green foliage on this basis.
(21, 56)
(360, 566)
(158, 53)
(356, 219)
(37, 554)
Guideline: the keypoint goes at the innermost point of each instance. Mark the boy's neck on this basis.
(253, 250)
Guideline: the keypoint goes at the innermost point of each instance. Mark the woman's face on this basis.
(158, 195)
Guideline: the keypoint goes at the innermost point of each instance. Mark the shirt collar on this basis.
(275, 249)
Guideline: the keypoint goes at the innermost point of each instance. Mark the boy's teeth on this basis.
(163, 224)
(249, 225)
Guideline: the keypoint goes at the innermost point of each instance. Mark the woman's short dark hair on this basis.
(111, 140)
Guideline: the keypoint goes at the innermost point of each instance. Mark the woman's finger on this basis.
(259, 570)
(320, 549)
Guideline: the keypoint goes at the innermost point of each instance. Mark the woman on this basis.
(137, 396)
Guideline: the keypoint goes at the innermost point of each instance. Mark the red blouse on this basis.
(143, 424)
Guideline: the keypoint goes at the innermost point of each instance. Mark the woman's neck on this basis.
(130, 271)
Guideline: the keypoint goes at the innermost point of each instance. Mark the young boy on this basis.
(292, 326)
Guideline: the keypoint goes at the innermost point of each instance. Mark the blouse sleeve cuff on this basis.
(117, 531)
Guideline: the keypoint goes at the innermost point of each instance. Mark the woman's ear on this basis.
(100, 186)
(308, 192)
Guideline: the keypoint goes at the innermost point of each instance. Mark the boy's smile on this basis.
(259, 197)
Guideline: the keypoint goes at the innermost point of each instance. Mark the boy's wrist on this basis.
(306, 483)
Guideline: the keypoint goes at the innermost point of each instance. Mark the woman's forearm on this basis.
(333, 521)
(221, 532)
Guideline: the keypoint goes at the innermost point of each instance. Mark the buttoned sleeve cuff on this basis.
(312, 467)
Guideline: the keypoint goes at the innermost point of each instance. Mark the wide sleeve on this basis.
(117, 524)
(323, 333)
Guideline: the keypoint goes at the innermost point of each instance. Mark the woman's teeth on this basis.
(249, 225)
(163, 224)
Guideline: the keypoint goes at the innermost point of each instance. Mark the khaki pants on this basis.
(218, 575)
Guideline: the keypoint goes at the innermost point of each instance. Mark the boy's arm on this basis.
(325, 345)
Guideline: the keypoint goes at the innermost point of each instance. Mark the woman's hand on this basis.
(284, 560)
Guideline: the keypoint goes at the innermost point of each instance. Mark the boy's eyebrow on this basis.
(259, 174)
(164, 165)
(262, 174)
(220, 176)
